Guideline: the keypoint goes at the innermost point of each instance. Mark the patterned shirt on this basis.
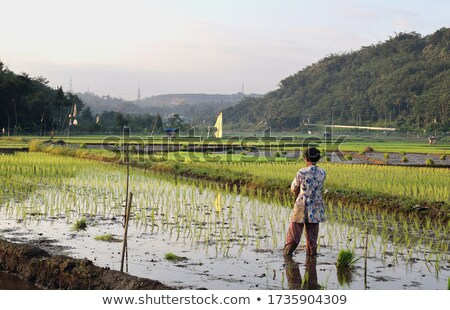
(309, 181)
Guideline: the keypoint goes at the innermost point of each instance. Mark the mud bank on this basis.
(40, 268)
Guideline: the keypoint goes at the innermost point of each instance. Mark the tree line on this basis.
(28, 106)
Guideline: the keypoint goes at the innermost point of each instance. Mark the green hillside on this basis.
(403, 82)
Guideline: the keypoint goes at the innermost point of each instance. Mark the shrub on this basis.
(277, 154)
(404, 159)
(326, 158)
(429, 162)
(402, 153)
(82, 145)
(348, 157)
(443, 157)
(386, 156)
(35, 145)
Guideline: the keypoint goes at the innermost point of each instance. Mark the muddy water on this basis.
(11, 282)
(227, 241)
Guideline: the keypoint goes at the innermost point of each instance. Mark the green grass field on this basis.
(287, 143)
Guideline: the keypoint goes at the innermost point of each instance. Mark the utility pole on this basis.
(139, 95)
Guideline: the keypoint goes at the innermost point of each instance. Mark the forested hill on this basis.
(29, 105)
(403, 82)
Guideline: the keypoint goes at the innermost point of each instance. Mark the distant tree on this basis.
(175, 121)
(121, 121)
(157, 126)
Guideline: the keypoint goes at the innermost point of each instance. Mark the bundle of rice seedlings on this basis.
(346, 258)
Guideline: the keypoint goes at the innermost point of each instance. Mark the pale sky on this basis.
(195, 46)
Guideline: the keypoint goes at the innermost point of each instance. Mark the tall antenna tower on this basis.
(139, 95)
(242, 88)
(70, 85)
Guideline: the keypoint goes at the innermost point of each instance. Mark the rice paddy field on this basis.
(192, 234)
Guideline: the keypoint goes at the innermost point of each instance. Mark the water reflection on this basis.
(218, 203)
(294, 277)
(345, 276)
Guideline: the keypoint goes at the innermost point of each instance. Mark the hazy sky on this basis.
(195, 46)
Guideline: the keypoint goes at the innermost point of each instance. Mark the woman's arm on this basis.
(295, 186)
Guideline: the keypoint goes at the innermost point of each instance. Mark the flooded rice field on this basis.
(221, 240)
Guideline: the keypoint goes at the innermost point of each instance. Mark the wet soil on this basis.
(13, 282)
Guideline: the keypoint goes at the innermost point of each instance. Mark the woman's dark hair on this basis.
(312, 155)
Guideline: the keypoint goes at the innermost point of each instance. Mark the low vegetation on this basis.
(173, 257)
(80, 224)
(107, 238)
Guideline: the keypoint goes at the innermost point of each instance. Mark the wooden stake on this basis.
(365, 258)
(125, 234)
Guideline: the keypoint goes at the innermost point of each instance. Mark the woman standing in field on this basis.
(309, 210)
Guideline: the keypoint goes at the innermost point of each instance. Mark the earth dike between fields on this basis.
(37, 268)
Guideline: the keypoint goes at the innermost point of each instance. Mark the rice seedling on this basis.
(107, 238)
(80, 224)
(173, 257)
(346, 258)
